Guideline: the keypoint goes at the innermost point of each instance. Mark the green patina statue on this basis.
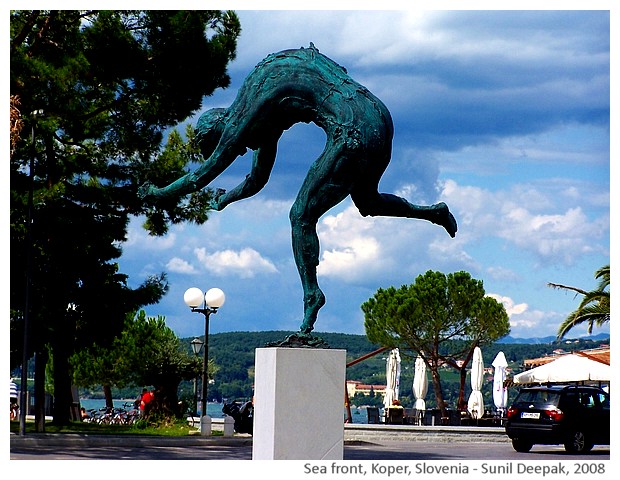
(286, 88)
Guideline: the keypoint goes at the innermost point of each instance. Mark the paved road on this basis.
(463, 451)
(360, 451)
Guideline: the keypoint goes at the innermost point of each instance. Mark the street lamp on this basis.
(210, 301)
(197, 346)
(197, 349)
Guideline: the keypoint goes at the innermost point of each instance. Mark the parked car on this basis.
(576, 416)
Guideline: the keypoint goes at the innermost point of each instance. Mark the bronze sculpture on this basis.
(288, 87)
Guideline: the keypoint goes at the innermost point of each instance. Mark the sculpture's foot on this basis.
(445, 219)
(300, 340)
(313, 301)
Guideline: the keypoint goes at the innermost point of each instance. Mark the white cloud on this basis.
(349, 260)
(178, 265)
(375, 250)
(350, 249)
(525, 322)
(561, 236)
(529, 325)
(509, 305)
(245, 263)
(514, 216)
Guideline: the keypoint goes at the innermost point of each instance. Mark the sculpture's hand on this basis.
(146, 191)
(215, 204)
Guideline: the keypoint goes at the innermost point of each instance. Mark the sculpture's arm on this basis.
(193, 181)
(179, 188)
(262, 165)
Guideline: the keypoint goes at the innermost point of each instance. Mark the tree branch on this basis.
(566, 287)
(26, 29)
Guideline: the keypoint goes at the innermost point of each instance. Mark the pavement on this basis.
(362, 442)
(353, 434)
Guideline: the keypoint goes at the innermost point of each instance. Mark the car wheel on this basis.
(577, 442)
(521, 445)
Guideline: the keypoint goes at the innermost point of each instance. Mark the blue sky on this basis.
(503, 115)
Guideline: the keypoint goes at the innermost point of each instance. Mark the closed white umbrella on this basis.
(475, 405)
(392, 374)
(500, 392)
(420, 384)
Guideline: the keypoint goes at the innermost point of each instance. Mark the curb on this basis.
(400, 433)
(86, 440)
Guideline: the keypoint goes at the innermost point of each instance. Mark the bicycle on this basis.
(14, 411)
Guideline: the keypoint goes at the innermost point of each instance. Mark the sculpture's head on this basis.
(209, 130)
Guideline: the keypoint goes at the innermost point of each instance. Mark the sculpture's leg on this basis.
(262, 164)
(320, 191)
(370, 202)
(306, 253)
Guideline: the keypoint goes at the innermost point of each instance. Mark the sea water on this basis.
(214, 409)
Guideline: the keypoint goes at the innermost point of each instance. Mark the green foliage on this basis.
(174, 157)
(146, 353)
(97, 92)
(435, 309)
(178, 428)
(595, 307)
(368, 400)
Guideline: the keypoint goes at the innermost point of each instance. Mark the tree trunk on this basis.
(62, 387)
(40, 362)
(441, 404)
(107, 392)
(166, 401)
(462, 404)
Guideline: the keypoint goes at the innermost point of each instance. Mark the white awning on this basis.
(567, 368)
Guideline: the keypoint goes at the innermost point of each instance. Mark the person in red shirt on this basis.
(145, 398)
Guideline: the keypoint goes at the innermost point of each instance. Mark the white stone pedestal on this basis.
(298, 404)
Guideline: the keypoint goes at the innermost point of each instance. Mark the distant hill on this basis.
(551, 339)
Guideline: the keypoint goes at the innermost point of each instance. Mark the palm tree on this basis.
(593, 309)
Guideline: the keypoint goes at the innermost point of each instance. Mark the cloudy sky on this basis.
(503, 115)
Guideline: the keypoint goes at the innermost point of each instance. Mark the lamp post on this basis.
(197, 349)
(210, 301)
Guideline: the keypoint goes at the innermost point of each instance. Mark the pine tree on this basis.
(429, 315)
(97, 92)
